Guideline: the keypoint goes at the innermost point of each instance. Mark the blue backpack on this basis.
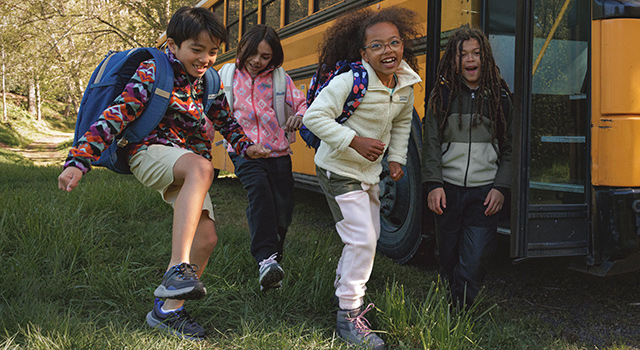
(108, 81)
(360, 84)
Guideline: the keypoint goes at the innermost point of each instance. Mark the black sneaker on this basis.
(181, 282)
(176, 322)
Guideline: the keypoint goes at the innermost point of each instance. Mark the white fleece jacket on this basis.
(381, 115)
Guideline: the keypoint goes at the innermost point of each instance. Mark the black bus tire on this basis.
(401, 209)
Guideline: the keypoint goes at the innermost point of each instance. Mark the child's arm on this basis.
(221, 119)
(298, 101)
(432, 162)
(502, 183)
(124, 109)
(503, 175)
(320, 116)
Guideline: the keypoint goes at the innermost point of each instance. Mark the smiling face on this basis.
(259, 61)
(196, 55)
(384, 61)
(471, 62)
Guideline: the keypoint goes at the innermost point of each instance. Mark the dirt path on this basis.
(42, 151)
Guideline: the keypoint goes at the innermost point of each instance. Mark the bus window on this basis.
(233, 23)
(218, 9)
(271, 13)
(296, 9)
(250, 14)
(560, 111)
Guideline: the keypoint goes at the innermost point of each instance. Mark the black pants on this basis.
(269, 185)
(466, 239)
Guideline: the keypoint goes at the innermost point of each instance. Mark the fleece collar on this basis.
(180, 74)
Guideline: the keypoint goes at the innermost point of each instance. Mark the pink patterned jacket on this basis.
(252, 108)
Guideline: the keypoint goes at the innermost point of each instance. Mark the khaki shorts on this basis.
(153, 167)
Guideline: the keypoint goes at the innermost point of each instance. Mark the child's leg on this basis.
(359, 233)
(261, 179)
(477, 245)
(204, 242)
(194, 175)
(449, 230)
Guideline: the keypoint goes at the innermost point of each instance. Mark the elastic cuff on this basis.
(430, 186)
(503, 190)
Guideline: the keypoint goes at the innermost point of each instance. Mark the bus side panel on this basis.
(616, 103)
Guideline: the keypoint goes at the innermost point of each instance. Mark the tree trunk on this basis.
(5, 117)
(38, 102)
(167, 11)
(31, 98)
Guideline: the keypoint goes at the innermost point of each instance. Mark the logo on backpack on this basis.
(108, 82)
(360, 84)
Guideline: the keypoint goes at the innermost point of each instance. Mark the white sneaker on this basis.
(271, 274)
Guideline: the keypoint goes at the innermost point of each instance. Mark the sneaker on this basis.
(181, 282)
(271, 274)
(354, 328)
(176, 322)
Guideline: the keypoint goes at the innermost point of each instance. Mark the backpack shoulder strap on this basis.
(360, 85)
(158, 102)
(226, 75)
(211, 88)
(279, 95)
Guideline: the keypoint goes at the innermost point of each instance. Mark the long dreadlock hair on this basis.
(346, 37)
(490, 83)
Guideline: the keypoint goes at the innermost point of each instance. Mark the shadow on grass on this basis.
(10, 136)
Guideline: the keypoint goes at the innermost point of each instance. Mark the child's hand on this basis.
(437, 200)
(69, 178)
(395, 169)
(293, 123)
(494, 202)
(367, 147)
(258, 151)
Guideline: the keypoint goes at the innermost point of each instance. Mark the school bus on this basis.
(574, 70)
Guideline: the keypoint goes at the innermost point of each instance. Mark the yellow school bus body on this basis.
(588, 204)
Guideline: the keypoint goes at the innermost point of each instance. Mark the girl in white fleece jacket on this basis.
(348, 161)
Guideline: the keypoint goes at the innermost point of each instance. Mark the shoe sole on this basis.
(154, 323)
(270, 279)
(190, 293)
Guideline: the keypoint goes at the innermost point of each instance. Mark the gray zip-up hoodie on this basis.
(467, 156)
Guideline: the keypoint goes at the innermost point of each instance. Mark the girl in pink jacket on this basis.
(268, 181)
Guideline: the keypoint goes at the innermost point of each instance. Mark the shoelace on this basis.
(187, 270)
(361, 323)
(268, 260)
(182, 314)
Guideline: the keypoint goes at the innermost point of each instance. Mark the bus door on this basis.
(549, 72)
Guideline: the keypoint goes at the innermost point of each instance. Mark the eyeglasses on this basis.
(378, 48)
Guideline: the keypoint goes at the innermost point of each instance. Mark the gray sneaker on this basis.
(181, 282)
(271, 274)
(354, 328)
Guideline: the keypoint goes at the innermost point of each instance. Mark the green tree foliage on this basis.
(53, 46)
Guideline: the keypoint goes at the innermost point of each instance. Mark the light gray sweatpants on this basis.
(356, 210)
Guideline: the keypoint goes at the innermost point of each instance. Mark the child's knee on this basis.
(201, 169)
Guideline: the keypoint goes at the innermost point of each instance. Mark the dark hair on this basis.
(188, 22)
(248, 45)
(490, 85)
(346, 37)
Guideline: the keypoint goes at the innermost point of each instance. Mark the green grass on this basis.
(79, 270)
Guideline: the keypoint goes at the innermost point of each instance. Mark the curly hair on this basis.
(491, 82)
(344, 39)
